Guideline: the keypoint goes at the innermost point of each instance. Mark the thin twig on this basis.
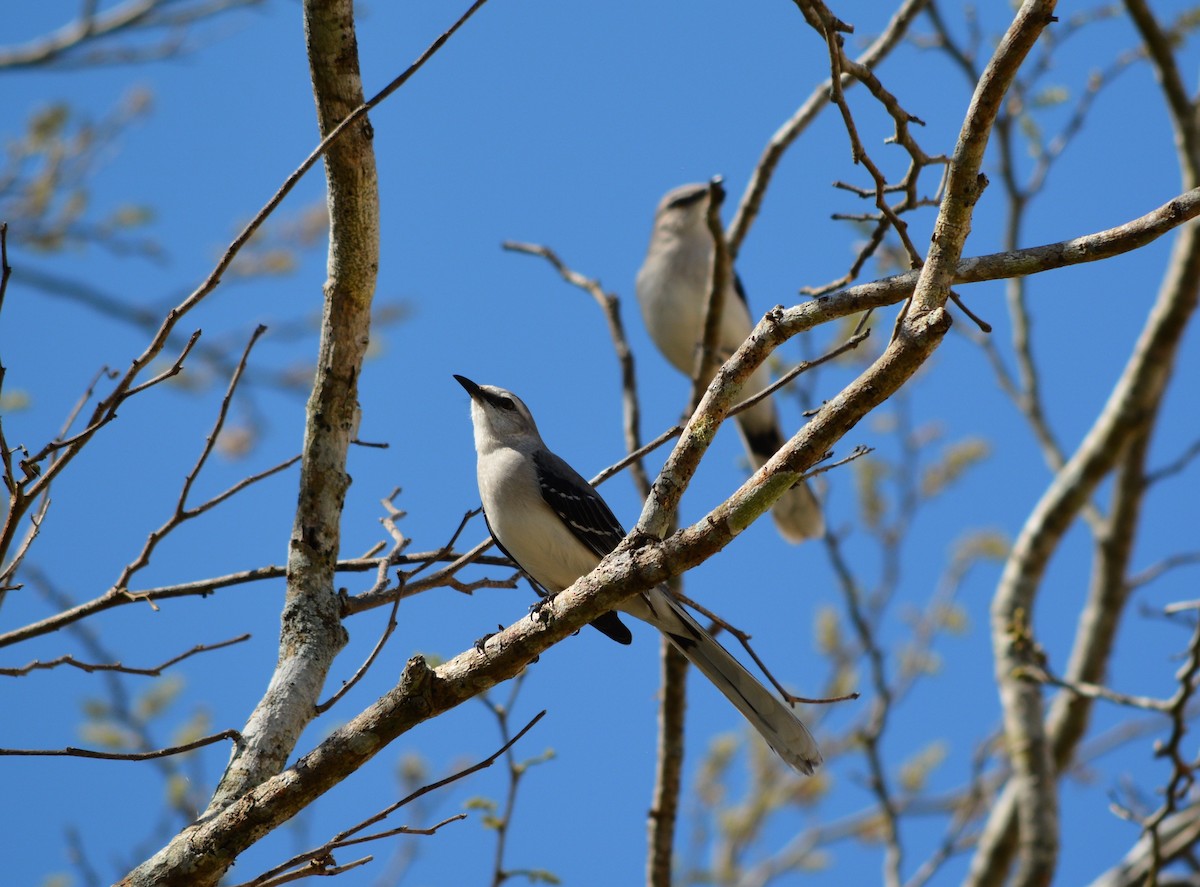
(345, 838)
(706, 359)
(1167, 564)
(1039, 672)
(388, 630)
(118, 667)
(610, 305)
(182, 513)
(71, 751)
(516, 770)
(751, 201)
(90, 28)
(1176, 466)
(203, 587)
(22, 493)
(742, 405)
(743, 638)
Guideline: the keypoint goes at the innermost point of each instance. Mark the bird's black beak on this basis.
(472, 389)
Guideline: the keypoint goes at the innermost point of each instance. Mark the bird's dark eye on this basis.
(505, 403)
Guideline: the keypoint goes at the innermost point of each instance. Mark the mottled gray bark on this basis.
(311, 632)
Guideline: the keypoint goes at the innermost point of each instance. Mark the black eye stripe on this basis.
(688, 198)
(502, 401)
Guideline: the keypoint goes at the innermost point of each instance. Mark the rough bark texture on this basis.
(206, 849)
(257, 794)
(1119, 436)
(664, 810)
(1036, 801)
(1134, 403)
(311, 631)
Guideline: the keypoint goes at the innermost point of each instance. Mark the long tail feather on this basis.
(774, 721)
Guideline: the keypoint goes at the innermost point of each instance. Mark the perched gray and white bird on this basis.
(673, 287)
(555, 526)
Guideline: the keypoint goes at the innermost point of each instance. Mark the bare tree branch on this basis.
(616, 329)
(117, 666)
(1176, 836)
(73, 752)
(668, 771)
(1151, 573)
(312, 631)
(783, 138)
(323, 855)
(68, 42)
(706, 359)
(1126, 418)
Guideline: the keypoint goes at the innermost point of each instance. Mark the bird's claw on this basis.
(482, 642)
(540, 611)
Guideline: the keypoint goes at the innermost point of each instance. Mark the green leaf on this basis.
(915, 772)
(828, 630)
(868, 482)
(15, 400)
(155, 700)
(957, 459)
(479, 803)
(48, 123)
(1050, 97)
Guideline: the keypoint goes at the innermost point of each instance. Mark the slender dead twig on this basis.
(388, 630)
(675, 430)
(204, 587)
(443, 578)
(610, 305)
(1175, 466)
(845, 69)
(502, 821)
(90, 667)
(72, 752)
(346, 838)
(720, 278)
(751, 202)
(1154, 571)
(182, 513)
(93, 26)
(399, 542)
(1039, 672)
(744, 638)
(326, 866)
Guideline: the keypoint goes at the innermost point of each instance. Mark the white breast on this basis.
(526, 526)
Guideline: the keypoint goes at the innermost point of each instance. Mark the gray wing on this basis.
(590, 519)
(578, 504)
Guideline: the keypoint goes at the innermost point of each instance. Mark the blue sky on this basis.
(560, 124)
